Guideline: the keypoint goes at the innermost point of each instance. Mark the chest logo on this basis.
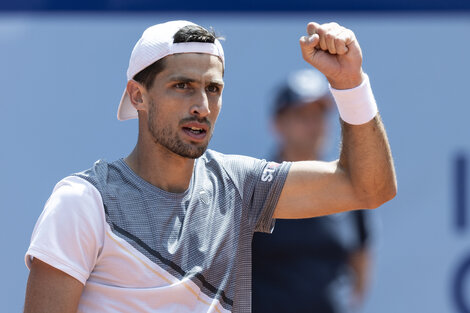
(204, 196)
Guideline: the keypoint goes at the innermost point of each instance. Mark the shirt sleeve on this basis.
(260, 184)
(69, 233)
(268, 183)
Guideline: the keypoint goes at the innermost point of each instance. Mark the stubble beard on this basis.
(167, 138)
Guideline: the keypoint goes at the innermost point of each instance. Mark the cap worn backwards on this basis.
(156, 43)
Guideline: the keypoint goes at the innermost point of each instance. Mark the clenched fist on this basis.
(334, 51)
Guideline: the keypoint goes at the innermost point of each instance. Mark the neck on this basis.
(160, 167)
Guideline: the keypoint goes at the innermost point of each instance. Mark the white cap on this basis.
(156, 43)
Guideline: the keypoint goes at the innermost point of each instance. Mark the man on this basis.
(169, 227)
(322, 260)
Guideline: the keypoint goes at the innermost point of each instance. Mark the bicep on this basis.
(315, 188)
(51, 290)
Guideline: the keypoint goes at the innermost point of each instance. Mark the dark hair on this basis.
(189, 33)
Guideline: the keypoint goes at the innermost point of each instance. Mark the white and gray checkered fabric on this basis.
(203, 234)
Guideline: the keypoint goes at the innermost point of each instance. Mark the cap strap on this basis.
(198, 47)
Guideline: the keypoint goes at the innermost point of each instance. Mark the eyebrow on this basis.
(185, 79)
(181, 79)
(217, 83)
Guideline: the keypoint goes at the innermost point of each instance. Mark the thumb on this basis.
(311, 40)
(307, 46)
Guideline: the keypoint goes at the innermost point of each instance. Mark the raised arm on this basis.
(364, 175)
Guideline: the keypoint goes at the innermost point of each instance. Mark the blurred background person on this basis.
(318, 265)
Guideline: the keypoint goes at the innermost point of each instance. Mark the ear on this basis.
(136, 93)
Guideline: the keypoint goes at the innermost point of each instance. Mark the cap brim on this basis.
(126, 110)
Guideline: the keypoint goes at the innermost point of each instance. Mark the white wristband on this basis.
(356, 106)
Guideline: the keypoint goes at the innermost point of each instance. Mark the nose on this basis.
(200, 107)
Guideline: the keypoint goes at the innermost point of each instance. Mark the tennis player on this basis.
(169, 227)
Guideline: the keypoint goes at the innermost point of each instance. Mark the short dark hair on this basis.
(189, 33)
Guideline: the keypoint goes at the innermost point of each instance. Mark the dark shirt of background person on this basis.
(317, 265)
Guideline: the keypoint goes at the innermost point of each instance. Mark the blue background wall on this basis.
(240, 5)
(63, 75)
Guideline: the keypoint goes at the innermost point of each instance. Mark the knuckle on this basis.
(312, 25)
(311, 28)
(321, 30)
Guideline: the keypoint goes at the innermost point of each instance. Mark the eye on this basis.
(213, 88)
(181, 85)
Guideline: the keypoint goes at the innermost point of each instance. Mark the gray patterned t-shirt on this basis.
(195, 244)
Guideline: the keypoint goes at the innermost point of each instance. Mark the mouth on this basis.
(196, 131)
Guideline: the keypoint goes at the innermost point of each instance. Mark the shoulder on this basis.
(73, 187)
(97, 174)
(239, 168)
(239, 165)
(74, 193)
(229, 160)
(69, 233)
(74, 204)
(240, 171)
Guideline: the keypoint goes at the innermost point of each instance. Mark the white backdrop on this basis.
(62, 77)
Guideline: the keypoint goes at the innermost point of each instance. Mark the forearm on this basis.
(367, 160)
(364, 176)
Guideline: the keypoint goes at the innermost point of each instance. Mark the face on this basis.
(184, 103)
(303, 127)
